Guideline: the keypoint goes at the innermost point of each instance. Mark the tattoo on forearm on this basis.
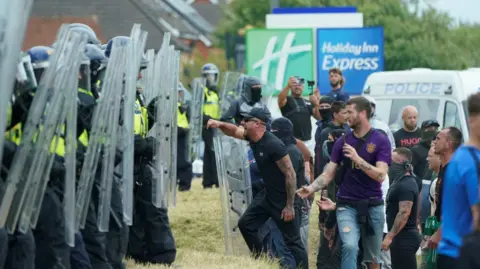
(365, 166)
(285, 165)
(404, 210)
(319, 183)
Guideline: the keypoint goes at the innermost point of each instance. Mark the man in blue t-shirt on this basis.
(364, 155)
(337, 81)
(461, 181)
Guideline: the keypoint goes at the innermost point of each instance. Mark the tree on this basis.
(412, 39)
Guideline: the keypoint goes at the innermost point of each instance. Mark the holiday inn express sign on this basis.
(274, 55)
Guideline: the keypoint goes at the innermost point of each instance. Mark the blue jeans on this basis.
(350, 232)
(279, 248)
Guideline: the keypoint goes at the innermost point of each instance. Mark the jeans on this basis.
(304, 227)
(257, 213)
(350, 232)
(279, 248)
(404, 249)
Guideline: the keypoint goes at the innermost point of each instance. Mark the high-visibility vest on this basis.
(140, 124)
(182, 120)
(211, 107)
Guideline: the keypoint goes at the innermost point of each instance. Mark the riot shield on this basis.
(103, 134)
(235, 188)
(172, 190)
(147, 76)
(166, 81)
(231, 90)
(135, 49)
(13, 22)
(196, 119)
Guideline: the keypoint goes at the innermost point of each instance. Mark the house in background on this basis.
(110, 18)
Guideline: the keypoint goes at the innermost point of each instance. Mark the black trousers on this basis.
(150, 238)
(404, 248)
(3, 247)
(210, 177)
(21, 251)
(52, 250)
(117, 235)
(78, 254)
(445, 262)
(259, 211)
(184, 168)
(95, 241)
(329, 258)
(469, 258)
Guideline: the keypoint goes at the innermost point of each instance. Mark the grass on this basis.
(197, 225)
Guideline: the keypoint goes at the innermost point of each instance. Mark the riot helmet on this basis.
(253, 89)
(87, 30)
(39, 57)
(211, 74)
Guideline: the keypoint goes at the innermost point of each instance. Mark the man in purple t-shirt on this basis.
(363, 157)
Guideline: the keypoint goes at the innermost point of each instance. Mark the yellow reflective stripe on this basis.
(85, 91)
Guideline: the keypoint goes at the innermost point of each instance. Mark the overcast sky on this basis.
(460, 9)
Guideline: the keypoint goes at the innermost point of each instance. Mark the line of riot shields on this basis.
(51, 124)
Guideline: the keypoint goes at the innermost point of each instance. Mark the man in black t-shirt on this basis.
(403, 238)
(279, 200)
(410, 134)
(297, 109)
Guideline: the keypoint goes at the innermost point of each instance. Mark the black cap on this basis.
(258, 113)
(326, 100)
(430, 123)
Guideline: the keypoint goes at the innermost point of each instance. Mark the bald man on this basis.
(410, 134)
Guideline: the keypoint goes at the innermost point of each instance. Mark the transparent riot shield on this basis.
(60, 110)
(165, 115)
(135, 49)
(172, 186)
(147, 77)
(196, 119)
(231, 89)
(25, 175)
(13, 22)
(103, 123)
(235, 188)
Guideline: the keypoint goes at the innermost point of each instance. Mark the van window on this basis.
(451, 116)
(427, 110)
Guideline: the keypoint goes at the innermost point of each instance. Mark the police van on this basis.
(437, 94)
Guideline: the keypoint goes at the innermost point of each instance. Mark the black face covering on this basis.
(84, 81)
(397, 170)
(325, 113)
(256, 94)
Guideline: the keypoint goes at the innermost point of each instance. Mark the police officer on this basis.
(150, 238)
(184, 167)
(211, 110)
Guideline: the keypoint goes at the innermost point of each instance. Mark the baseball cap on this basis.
(430, 123)
(326, 100)
(258, 113)
(371, 100)
(283, 129)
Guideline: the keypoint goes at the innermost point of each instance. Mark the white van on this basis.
(437, 94)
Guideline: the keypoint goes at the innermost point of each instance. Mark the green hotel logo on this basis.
(274, 55)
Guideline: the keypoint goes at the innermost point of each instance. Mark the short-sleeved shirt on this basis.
(406, 139)
(299, 111)
(461, 181)
(267, 151)
(339, 95)
(402, 189)
(356, 185)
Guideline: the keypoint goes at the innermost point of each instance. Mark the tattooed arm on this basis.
(328, 174)
(285, 165)
(377, 172)
(404, 210)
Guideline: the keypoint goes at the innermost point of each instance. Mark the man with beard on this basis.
(297, 109)
(364, 155)
(378, 124)
(278, 201)
(446, 143)
(211, 110)
(337, 81)
(403, 238)
(409, 135)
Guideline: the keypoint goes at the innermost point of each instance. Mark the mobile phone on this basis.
(311, 84)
